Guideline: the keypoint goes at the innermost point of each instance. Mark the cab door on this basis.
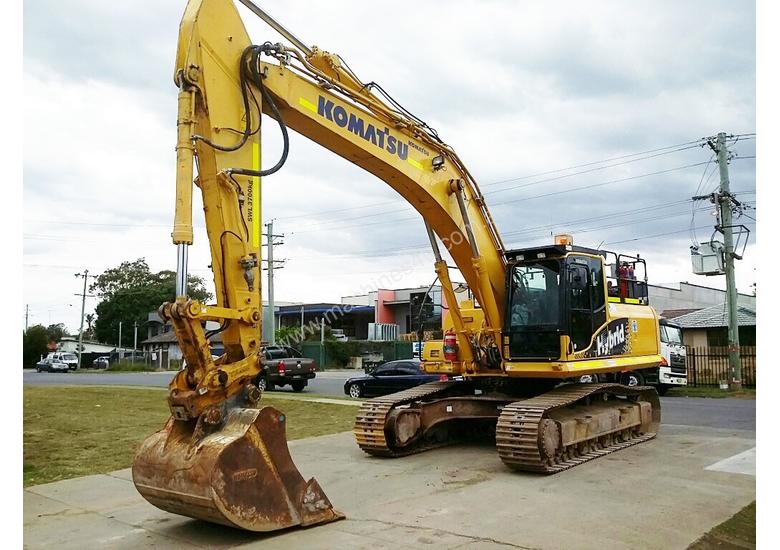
(586, 299)
(578, 297)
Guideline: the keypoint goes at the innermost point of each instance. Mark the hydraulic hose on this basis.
(249, 62)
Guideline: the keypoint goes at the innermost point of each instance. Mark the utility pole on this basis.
(271, 265)
(119, 346)
(135, 338)
(26, 315)
(83, 295)
(725, 202)
(272, 316)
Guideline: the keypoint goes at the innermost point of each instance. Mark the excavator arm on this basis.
(221, 456)
(225, 82)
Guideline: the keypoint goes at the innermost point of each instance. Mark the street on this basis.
(735, 414)
(329, 383)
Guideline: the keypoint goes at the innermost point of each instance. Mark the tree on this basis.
(129, 292)
(90, 332)
(56, 332)
(34, 344)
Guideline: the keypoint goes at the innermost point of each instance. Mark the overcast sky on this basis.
(522, 91)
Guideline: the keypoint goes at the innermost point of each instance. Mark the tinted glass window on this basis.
(275, 353)
(534, 295)
(597, 283)
(389, 371)
(597, 298)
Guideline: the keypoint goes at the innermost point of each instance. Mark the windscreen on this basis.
(535, 295)
(671, 335)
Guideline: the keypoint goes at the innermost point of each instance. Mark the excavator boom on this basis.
(222, 456)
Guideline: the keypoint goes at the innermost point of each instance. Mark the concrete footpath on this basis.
(659, 494)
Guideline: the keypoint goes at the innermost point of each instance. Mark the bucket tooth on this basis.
(239, 474)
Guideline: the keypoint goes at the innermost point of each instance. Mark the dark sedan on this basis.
(390, 377)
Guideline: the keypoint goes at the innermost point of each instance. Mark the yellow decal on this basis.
(256, 196)
(307, 104)
(414, 163)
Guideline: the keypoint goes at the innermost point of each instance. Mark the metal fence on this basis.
(710, 366)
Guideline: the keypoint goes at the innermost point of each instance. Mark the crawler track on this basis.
(519, 433)
(523, 439)
(369, 427)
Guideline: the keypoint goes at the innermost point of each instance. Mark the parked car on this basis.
(50, 364)
(283, 365)
(100, 362)
(338, 334)
(69, 359)
(390, 377)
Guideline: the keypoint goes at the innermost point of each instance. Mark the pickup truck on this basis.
(283, 365)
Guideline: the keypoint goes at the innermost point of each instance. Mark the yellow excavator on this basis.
(539, 320)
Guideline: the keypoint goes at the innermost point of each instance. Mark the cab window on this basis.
(534, 295)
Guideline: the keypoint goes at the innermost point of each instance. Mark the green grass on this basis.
(735, 533)
(129, 366)
(689, 391)
(73, 431)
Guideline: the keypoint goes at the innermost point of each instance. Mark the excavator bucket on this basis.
(238, 473)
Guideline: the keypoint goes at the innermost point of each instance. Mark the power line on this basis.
(658, 235)
(597, 218)
(384, 203)
(309, 229)
(658, 152)
(407, 249)
(576, 173)
(594, 185)
(678, 147)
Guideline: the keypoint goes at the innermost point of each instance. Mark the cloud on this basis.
(517, 90)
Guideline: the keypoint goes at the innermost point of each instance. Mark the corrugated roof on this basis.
(674, 313)
(716, 317)
(322, 308)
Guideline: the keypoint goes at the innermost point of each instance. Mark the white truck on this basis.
(673, 370)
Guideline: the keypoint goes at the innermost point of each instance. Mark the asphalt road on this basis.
(736, 414)
(330, 383)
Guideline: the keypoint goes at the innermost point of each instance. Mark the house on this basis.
(677, 297)
(708, 327)
(70, 344)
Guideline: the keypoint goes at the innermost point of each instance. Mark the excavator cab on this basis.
(553, 293)
(567, 303)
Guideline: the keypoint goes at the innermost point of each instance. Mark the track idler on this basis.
(230, 466)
